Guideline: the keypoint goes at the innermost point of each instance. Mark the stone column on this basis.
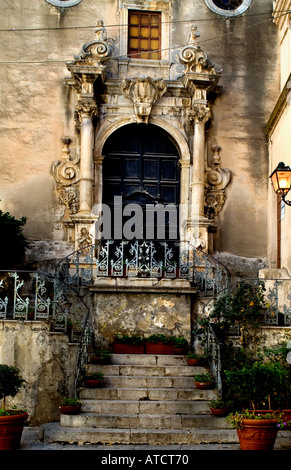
(199, 223)
(84, 219)
(99, 186)
(87, 110)
(184, 198)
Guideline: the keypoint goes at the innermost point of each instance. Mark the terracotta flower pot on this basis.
(99, 360)
(11, 428)
(193, 362)
(93, 383)
(258, 434)
(159, 348)
(219, 411)
(287, 418)
(70, 410)
(204, 385)
(125, 348)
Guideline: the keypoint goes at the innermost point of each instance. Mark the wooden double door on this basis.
(141, 167)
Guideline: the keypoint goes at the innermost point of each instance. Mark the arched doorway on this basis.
(141, 168)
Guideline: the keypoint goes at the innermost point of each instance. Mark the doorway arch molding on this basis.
(181, 144)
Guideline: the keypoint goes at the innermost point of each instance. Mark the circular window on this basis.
(228, 7)
(63, 3)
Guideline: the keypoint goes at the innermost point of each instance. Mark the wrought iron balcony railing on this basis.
(145, 258)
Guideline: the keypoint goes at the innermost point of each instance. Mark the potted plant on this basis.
(94, 380)
(195, 359)
(126, 344)
(180, 345)
(243, 306)
(255, 386)
(100, 356)
(159, 344)
(256, 431)
(219, 407)
(70, 406)
(203, 381)
(12, 420)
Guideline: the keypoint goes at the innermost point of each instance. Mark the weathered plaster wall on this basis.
(142, 314)
(47, 363)
(35, 111)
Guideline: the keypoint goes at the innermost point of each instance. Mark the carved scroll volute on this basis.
(66, 171)
(216, 180)
(66, 175)
(98, 51)
(143, 92)
(193, 57)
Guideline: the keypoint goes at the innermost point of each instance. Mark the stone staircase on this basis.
(147, 399)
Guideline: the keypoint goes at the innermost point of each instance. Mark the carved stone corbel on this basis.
(66, 175)
(143, 92)
(98, 51)
(216, 180)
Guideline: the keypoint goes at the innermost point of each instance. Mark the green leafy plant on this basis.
(257, 385)
(180, 342)
(220, 404)
(94, 376)
(203, 378)
(129, 339)
(102, 353)
(71, 402)
(159, 338)
(10, 383)
(12, 241)
(192, 355)
(244, 305)
(236, 419)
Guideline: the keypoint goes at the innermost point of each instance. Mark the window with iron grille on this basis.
(144, 35)
(63, 3)
(228, 7)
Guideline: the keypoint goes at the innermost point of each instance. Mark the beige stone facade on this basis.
(68, 84)
(279, 140)
(42, 88)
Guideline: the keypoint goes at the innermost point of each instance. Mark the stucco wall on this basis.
(141, 314)
(35, 111)
(46, 362)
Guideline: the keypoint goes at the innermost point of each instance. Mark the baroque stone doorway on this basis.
(141, 169)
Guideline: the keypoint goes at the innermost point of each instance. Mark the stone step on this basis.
(54, 433)
(146, 421)
(146, 370)
(149, 359)
(145, 407)
(152, 394)
(136, 381)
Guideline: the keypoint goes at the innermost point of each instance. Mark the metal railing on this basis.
(142, 259)
(30, 295)
(276, 311)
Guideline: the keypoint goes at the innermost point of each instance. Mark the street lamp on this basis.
(281, 181)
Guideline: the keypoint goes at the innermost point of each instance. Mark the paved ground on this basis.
(30, 441)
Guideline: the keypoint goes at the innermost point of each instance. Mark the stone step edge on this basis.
(126, 402)
(204, 418)
(149, 389)
(53, 432)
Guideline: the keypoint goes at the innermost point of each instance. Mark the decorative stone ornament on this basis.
(63, 3)
(216, 180)
(143, 92)
(228, 8)
(66, 175)
(98, 51)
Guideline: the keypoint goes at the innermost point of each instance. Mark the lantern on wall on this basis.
(281, 181)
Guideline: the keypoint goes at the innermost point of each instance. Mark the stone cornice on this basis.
(279, 108)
